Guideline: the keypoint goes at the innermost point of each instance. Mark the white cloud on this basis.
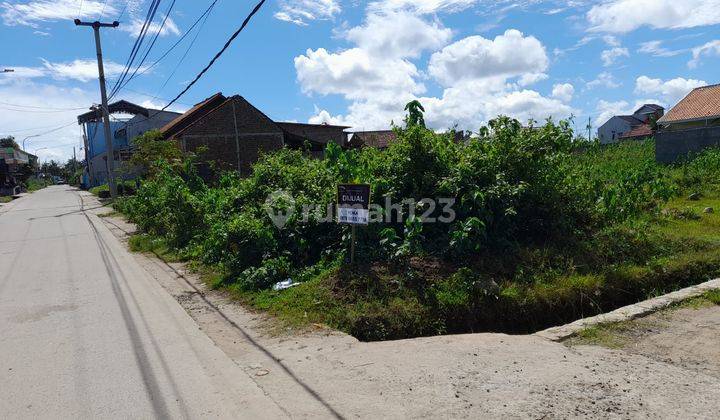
(355, 73)
(21, 124)
(610, 56)
(300, 12)
(509, 55)
(604, 79)
(32, 12)
(622, 16)
(670, 90)
(481, 78)
(422, 6)
(398, 34)
(80, 70)
(135, 26)
(563, 92)
(656, 49)
(707, 49)
(469, 106)
(608, 109)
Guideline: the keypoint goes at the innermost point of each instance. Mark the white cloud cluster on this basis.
(135, 26)
(398, 34)
(481, 78)
(707, 49)
(656, 49)
(671, 91)
(610, 56)
(422, 6)
(604, 79)
(509, 55)
(32, 12)
(300, 12)
(563, 92)
(79, 69)
(622, 16)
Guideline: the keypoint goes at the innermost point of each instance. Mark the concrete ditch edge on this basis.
(630, 312)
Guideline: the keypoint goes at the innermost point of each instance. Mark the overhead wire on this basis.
(217, 55)
(147, 51)
(187, 50)
(137, 45)
(204, 16)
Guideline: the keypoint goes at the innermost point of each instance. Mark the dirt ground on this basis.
(669, 373)
(686, 336)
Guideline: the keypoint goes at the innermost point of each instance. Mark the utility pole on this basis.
(103, 95)
(589, 127)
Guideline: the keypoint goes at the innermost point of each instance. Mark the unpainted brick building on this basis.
(230, 133)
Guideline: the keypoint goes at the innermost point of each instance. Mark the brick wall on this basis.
(671, 146)
(215, 133)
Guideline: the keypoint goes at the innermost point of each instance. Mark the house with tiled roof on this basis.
(379, 139)
(691, 126)
(229, 133)
(625, 127)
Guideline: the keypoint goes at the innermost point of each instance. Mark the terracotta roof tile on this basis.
(639, 132)
(380, 139)
(192, 115)
(701, 103)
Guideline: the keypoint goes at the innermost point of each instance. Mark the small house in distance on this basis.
(624, 127)
(230, 133)
(379, 139)
(123, 130)
(691, 126)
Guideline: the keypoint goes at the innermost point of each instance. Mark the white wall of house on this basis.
(611, 131)
(139, 124)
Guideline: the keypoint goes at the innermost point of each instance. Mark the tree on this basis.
(414, 117)
(9, 141)
(150, 148)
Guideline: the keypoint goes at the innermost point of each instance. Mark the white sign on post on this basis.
(353, 204)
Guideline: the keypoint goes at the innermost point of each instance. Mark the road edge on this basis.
(628, 313)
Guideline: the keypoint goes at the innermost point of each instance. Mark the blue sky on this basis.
(357, 63)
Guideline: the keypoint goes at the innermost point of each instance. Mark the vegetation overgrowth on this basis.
(546, 229)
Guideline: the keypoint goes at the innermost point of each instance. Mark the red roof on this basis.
(193, 114)
(640, 132)
(701, 103)
(379, 139)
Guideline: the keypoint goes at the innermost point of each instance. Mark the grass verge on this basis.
(621, 334)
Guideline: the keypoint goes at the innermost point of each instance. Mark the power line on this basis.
(42, 107)
(147, 51)
(220, 53)
(49, 131)
(204, 15)
(187, 50)
(136, 46)
(122, 12)
(36, 128)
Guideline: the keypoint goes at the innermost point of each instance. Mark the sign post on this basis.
(353, 209)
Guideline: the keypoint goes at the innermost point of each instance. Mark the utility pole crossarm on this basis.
(97, 24)
(109, 152)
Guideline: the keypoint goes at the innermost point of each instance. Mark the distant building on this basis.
(15, 166)
(620, 127)
(379, 139)
(123, 130)
(691, 126)
(230, 133)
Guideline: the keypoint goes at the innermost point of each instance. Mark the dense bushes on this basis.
(513, 186)
(539, 222)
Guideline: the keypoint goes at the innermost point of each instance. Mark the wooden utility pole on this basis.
(589, 127)
(110, 161)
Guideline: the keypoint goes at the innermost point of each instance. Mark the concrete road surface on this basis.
(85, 333)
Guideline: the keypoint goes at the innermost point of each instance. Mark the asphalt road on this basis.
(86, 333)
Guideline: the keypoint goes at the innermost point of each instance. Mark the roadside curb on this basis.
(630, 312)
